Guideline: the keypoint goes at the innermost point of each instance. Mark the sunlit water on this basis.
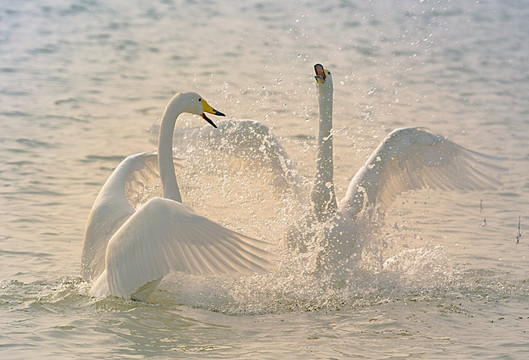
(83, 84)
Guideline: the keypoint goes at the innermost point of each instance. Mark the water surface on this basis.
(83, 84)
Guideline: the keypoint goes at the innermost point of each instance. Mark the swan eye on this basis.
(199, 99)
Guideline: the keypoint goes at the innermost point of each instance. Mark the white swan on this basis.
(127, 252)
(407, 159)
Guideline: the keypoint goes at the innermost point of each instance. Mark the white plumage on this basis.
(407, 159)
(127, 252)
(414, 159)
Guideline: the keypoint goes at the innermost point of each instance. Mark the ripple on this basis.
(36, 143)
(74, 9)
(7, 70)
(46, 50)
(16, 113)
(66, 101)
(98, 158)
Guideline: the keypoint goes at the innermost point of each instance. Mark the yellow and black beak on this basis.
(208, 109)
(321, 73)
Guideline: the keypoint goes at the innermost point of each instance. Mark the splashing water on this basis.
(78, 95)
(261, 193)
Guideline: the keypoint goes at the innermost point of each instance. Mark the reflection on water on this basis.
(83, 83)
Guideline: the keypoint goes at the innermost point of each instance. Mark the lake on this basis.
(83, 84)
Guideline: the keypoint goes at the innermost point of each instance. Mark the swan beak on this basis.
(321, 74)
(208, 109)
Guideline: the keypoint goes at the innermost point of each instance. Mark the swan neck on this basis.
(165, 151)
(323, 195)
(325, 101)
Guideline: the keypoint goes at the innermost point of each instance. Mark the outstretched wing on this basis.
(143, 180)
(413, 159)
(127, 185)
(254, 145)
(165, 235)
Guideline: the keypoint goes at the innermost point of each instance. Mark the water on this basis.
(83, 84)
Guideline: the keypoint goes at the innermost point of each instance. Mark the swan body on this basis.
(126, 252)
(407, 159)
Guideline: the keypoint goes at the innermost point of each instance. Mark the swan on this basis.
(408, 159)
(126, 252)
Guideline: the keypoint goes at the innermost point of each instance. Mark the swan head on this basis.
(323, 78)
(196, 104)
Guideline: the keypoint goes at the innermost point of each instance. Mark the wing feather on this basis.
(254, 144)
(132, 183)
(164, 235)
(110, 210)
(413, 159)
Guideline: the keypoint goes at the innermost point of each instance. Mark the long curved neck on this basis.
(323, 196)
(165, 151)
